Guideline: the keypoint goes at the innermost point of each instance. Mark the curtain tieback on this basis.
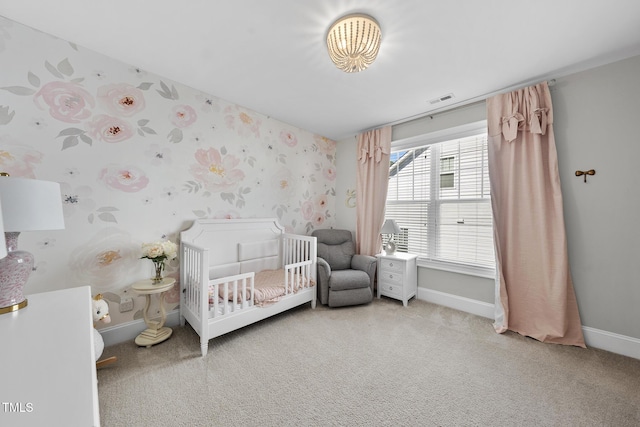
(510, 126)
(538, 121)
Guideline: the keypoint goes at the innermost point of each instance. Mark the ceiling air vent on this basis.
(443, 98)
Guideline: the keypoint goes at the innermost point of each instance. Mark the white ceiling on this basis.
(270, 55)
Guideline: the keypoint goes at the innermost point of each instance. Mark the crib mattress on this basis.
(268, 288)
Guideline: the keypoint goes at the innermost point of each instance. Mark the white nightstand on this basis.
(398, 276)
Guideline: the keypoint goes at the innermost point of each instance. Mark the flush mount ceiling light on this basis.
(353, 42)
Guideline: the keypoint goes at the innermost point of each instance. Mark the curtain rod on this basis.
(464, 103)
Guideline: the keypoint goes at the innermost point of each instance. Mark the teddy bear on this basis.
(100, 314)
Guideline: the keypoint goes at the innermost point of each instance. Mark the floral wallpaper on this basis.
(139, 157)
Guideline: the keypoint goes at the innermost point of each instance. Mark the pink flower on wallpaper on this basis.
(18, 160)
(128, 179)
(242, 122)
(106, 261)
(109, 129)
(67, 102)
(321, 202)
(215, 172)
(325, 145)
(288, 138)
(183, 116)
(282, 183)
(121, 99)
(318, 219)
(329, 173)
(308, 210)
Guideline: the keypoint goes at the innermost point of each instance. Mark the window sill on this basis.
(487, 273)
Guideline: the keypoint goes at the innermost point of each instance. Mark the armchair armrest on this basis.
(324, 267)
(366, 263)
(324, 273)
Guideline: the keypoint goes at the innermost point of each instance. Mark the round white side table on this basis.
(156, 332)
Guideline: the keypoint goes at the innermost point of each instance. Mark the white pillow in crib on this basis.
(224, 270)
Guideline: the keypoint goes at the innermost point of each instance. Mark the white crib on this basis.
(223, 264)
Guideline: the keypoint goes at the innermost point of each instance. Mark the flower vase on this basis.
(158, 267)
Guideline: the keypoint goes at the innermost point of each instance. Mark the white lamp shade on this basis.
(30, 205)
(390, 227)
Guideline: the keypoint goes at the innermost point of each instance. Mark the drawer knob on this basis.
(390, 288)
(391, 276)
(390, 264)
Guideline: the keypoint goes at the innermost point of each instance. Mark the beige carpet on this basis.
(374, 365)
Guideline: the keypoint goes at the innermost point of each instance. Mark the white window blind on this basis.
(439, 196)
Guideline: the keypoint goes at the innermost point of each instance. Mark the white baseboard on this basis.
(129, 331)
(615, 343)
(596, 338)
(468, 305)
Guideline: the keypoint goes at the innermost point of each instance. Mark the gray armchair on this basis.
(344, 277)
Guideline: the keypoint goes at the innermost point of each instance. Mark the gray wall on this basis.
(596, 124)
(596, 116)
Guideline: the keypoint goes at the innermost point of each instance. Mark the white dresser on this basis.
(48, 364)
(398, 276)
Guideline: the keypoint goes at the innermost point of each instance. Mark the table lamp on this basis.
(390, 227)
(27, 205)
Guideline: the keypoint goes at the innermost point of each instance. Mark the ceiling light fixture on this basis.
(353, 42)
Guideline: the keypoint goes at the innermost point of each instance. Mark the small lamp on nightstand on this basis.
(390, 227)
(27, 205)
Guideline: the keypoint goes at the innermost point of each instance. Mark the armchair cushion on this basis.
(342, 280)
(336, 247)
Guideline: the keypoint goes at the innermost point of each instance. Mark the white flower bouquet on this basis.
(158, 252)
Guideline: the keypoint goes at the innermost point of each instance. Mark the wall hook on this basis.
(585, 173)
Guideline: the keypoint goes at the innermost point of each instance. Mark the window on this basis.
(447, 174)
(439, 195)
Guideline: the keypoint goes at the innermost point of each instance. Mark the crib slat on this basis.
(216, 299)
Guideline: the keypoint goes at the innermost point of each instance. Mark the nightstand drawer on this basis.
(391, 265)
(391, 289)
(391, 277)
